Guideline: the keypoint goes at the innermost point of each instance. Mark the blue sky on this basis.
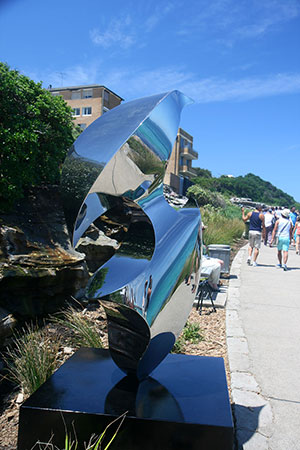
(238, 59)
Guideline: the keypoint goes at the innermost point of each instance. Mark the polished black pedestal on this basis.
(183, 405)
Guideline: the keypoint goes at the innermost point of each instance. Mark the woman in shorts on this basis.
(284, 231)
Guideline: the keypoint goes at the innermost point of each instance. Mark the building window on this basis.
(106, 96)
(87, 111)
(105, 109)
(87, 93)
(185, 143)
(82, 126)
(75, 95)
(181, 161)
(76, 111)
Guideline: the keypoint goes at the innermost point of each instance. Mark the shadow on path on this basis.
(246, 422)
(266, 265)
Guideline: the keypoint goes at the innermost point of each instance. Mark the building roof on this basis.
(85, 86)
(185, 133)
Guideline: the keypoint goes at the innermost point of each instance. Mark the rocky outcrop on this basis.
(97, 247)
(39, 269)
(7, 324)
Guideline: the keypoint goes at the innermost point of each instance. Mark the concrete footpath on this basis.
(263, 338)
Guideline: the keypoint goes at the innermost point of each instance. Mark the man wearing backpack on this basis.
(284, 231)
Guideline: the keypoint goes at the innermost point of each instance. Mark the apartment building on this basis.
(88, 102)
(180, 170)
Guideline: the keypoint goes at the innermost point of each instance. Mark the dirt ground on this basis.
(212, 328)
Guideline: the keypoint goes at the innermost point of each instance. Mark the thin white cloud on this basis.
(238, 20)
(270, 14)
(128, 30)
(212, 89)
(69, 76)
(159, 13)
(135, 83)
(218, 90)
(119, 32)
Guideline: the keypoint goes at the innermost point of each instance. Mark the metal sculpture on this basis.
(113, 177)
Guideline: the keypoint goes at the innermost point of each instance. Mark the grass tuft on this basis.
(191, 333)
(84, 332)
(32, 357)
(221, 229)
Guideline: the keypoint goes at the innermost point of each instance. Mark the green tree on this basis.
(205, 173)
(250, 186)
(36, 130)
(206, 197)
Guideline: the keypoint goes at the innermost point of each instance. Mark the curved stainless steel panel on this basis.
(114, 175)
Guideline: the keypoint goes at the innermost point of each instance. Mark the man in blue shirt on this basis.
(293, 216)
(256, 232)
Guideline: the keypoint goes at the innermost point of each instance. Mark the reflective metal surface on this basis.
(113, 177)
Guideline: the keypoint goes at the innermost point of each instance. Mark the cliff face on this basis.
(39, 270)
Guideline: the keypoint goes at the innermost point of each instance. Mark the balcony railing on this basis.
(188, 171)
(188, 153)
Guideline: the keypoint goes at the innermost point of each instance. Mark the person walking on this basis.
(293, 216)
(269, 225)
(284, 230)
(256, 232)
(296, 231)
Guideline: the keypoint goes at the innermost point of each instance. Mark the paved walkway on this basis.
(263, 337)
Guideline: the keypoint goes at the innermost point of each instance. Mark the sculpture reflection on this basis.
(147, 399)
(113, 176)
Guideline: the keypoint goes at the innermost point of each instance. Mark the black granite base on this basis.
(183, 405)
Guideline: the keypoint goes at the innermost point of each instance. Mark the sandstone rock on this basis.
(97, 247)
(7, 324)
(39, 269)
(68, 350)
(20, 398)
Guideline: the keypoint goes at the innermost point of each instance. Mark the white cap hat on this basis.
(285, 213)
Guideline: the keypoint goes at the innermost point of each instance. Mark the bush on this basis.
(36, 130)
(206, 197)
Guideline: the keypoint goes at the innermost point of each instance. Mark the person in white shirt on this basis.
(211, 267)
(284, 230)
(269, 225)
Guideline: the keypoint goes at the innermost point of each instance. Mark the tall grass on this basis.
(32, 358)
(95, 442)
(222, 226)
(84, 332)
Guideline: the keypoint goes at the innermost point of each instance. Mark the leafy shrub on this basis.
(36, 130)
(190, 334)
(249, 185)
(32, 358)
(205, 197)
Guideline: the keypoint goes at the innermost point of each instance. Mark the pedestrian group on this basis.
(274, 226)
